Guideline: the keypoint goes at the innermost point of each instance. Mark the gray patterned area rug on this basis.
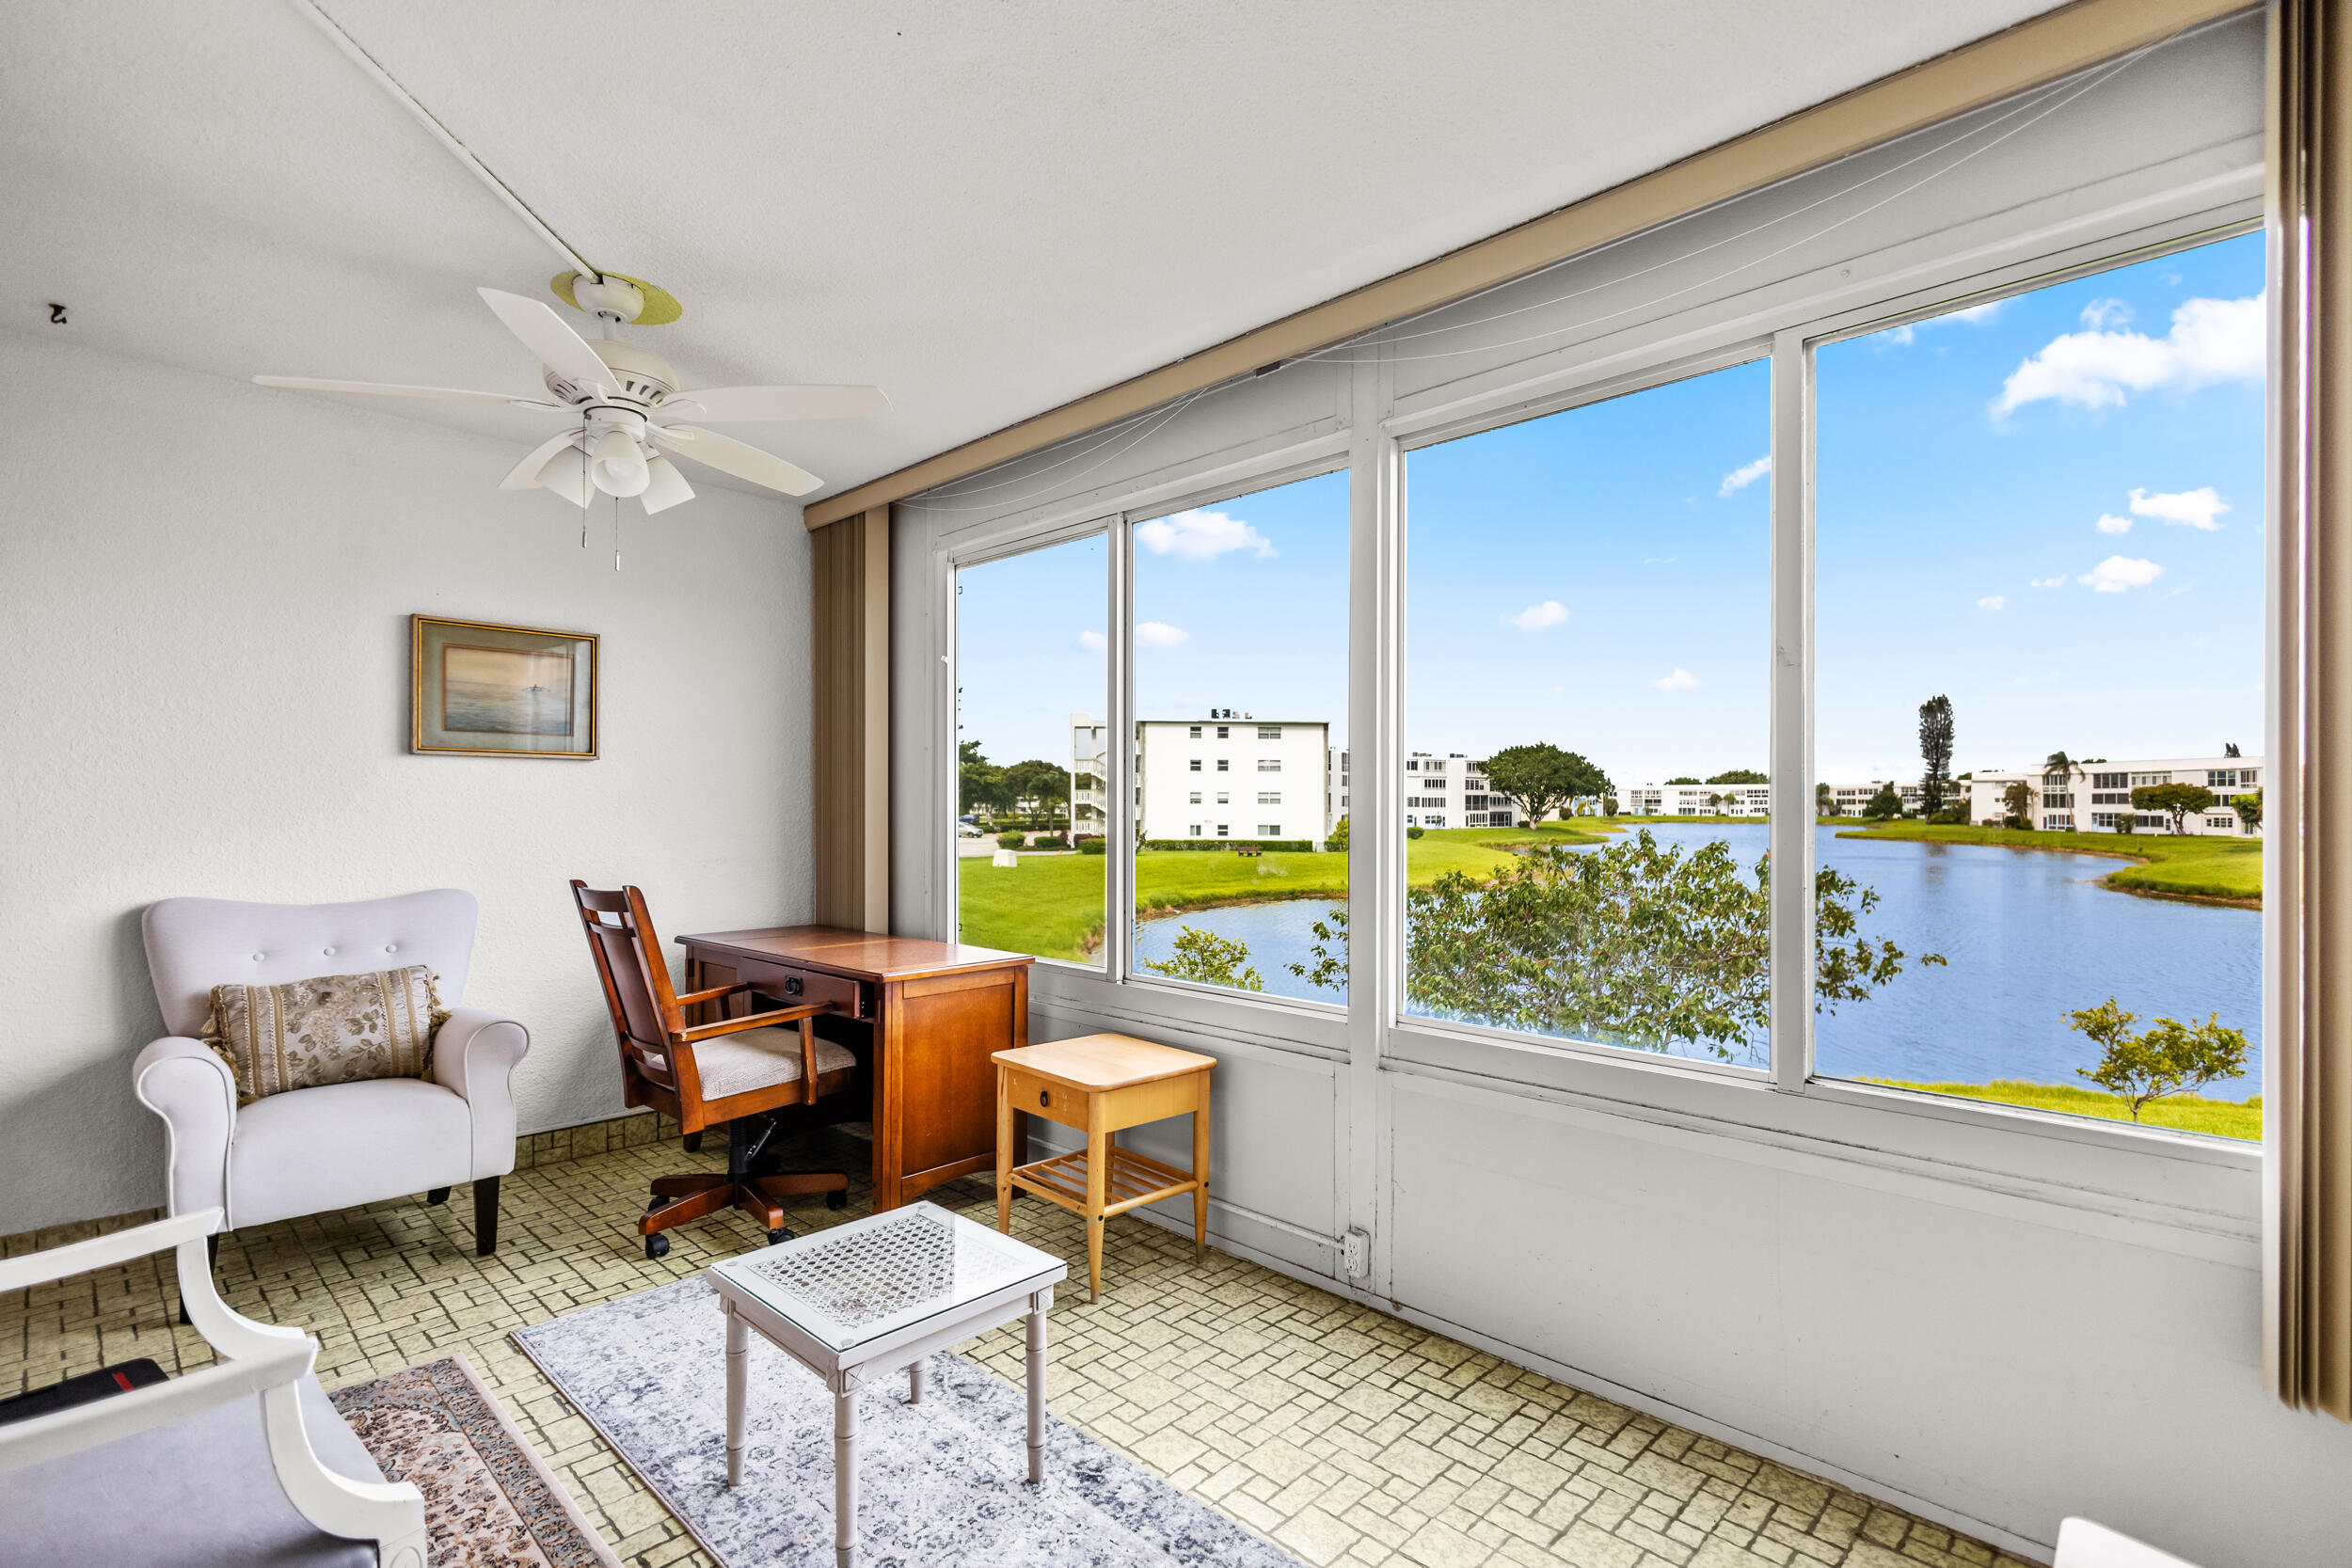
(944, 1483)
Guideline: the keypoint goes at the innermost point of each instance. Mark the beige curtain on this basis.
(2307, 905)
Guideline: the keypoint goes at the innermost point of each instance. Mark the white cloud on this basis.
(2118, 573)
(1898, 337)
(2058, 581)
(1658, 560)
(1746, 475)
(1992, 602)
(1681, 681)
(1198, 536)
(1538, 616)
(2210, 339)
(2101, 315)
(1093, 641)
(2110, 523)
(1159, 634)
(2194, 507)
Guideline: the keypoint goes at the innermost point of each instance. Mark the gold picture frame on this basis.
(478, 688)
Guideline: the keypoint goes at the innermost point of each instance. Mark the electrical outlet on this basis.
(1357, 1252)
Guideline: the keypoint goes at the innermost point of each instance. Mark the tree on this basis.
(980, 785)
(1609, 805)
(1825, 804)
(1714, 802)
(1636, 943)
(1542, 778)
(2127, 822)
(2175, 801)
(1336, 840)
(1935, 750)
(1039, 788)
(1741, 775)
(1682, 778)
(2059, 761)
(2248, 808)
(1885, 805)
(2168, 1057)
(2017, 799)
(1209, 960)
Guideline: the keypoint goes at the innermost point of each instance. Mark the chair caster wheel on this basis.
(657, 1246)
(836, 1201)
(780, 1233)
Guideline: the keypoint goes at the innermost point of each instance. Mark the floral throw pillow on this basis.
(334, 1029)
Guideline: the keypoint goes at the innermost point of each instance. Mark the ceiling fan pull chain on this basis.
(616, 533)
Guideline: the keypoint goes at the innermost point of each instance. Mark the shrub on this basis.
(1209, 960)
(1049, 841)
(1337, 842)
(1952, 815)
(1093, 846)
(1412, 832)
(1011, 839)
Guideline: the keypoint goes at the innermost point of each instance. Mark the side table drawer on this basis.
(1041, 1097)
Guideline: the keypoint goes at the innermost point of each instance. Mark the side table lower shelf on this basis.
(1134, 1180)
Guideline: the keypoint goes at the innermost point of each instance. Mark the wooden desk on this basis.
(933, 1013)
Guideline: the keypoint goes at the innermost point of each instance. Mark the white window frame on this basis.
(2068, 1160)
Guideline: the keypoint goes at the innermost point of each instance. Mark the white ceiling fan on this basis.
(625, 401)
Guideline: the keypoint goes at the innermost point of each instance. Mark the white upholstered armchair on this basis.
(337, 1145)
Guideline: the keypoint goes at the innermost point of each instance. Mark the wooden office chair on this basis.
(740, 1071)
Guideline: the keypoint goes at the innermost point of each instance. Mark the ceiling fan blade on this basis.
(567, 474)
(731, 456)
(547, 335)
(383, 390)
(743, 404)
(525, 474)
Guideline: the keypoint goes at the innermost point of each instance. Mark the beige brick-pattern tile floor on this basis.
(1345, 1435)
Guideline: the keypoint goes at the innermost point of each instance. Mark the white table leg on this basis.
(844, 1478)
(1038, 1304)
(914, 1383)
(739, 1367)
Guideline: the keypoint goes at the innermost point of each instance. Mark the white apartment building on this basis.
(1090, 774)
(2089, 797)
(1696, 800)
(1450, 791)
(1335, 792)
(1234, 776)
(1849, 799)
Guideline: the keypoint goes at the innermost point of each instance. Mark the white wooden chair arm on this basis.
(264, 1360)
(88, 1426)
(29, 1269)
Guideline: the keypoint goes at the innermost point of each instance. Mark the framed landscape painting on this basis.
(492, 690)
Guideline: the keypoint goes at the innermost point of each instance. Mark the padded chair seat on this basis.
(342, 1145)
(191, 1494)
(759, 1058)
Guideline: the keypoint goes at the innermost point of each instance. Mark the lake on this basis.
(2027, 934)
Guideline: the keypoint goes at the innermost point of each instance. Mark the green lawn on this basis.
(2226, 1118)
(1052, 905)
(2189, 866)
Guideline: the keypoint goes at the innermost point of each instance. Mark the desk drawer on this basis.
(791, 985)
(1043, 1098)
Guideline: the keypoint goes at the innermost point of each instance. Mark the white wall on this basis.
(1995, 1318)
(205, 590)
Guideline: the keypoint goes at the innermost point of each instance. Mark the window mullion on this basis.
(1118, 758)
(1793, 824)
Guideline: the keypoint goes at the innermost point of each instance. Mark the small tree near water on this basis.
(1209, 960)
(2017, 799)
(2168, 1057)
(2175, 801)
(1884, 806)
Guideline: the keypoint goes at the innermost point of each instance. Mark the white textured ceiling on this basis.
(987, 209)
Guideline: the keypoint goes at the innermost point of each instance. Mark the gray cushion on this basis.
(193, 1494)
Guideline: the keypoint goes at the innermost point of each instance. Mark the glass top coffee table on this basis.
(858, 1302)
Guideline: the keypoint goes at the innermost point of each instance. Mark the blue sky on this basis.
(2049, 510)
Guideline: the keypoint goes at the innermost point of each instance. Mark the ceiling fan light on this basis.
(619, 466)
(664, 486)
